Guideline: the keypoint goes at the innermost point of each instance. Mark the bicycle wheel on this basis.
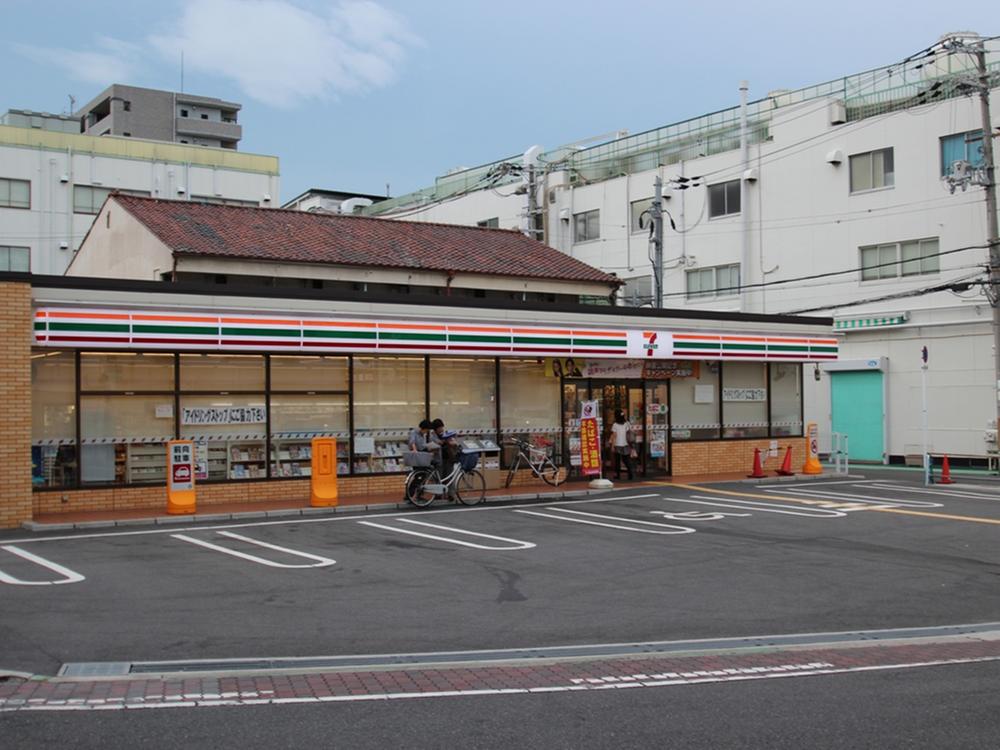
(471, 488)
(421, 496)
(413, 481)
(550, 473)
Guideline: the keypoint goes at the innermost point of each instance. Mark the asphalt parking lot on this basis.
(645, 562)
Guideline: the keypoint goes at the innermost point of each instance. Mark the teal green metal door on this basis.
(857, 412)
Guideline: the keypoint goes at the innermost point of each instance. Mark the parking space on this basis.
(650, 562)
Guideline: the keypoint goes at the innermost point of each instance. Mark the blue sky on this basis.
(355, 94)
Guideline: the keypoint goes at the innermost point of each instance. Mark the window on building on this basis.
(962, 147)
(529, 403)
(88, 199)
(183, 141)
(872, 170)
(493, 223)
(716, 281)
(223, 408)
(204, 117)
(126, 417)
(744, 400)
(694, 404)
(786, 399)
(389, 401)
(637, 291)
(15, 258)
(724, 199)
(636, 210)
(127, 105)
(223, 201)
(587, 226)
(127, 134)
(184, 113)
(53, 419)
(894, 259)
(15, 193)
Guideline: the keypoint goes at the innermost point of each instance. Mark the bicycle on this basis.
(424, 483)
(536, 459)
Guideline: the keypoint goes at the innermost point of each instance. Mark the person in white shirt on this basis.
(620, 442)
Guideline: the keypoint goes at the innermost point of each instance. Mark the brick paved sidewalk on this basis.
(54, 693)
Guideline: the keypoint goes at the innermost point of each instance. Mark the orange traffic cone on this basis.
(786, 465)
(758, 470)
(945, 472)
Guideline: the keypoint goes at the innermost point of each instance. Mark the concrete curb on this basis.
(309, 512)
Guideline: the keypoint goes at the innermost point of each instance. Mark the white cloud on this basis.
(276, 51)
(281, 53)
(112, 60)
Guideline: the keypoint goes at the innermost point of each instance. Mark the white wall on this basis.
(50, 221)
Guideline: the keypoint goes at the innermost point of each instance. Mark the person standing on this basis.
(621, 442)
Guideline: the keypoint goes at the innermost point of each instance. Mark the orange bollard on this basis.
(758, 470)
(945, 472)
(786, 465)
(323, 484)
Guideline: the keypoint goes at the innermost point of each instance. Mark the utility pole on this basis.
(987, 178)
(657, 212)
(991, 212)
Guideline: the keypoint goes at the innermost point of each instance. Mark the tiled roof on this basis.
(285, 236)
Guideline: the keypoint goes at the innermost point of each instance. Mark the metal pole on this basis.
(657, 211)
(991, 215)
(923, 396)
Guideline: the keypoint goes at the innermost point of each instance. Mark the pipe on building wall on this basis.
(745, 305)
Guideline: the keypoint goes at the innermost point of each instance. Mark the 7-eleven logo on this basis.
(649, 342)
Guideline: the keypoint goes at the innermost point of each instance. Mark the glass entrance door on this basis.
(657, 420)
(613, 397)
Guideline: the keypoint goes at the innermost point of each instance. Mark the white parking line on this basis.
(763, 507)
(946, 493)
(321, 562)
(68, 576)
(514, 544)
(573, 519)
(816, 484)
(855, 498)
(300, 520)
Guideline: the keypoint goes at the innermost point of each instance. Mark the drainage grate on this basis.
(116, 669)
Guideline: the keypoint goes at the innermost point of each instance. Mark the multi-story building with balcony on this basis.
(834, 199)
(134, 112)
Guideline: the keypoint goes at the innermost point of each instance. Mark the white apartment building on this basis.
(838, 206)
(53, 183)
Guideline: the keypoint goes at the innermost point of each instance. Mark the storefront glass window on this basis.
(463, 395)
(744, 400)
(53, 419)
(388, 403)
(229, 433)
(295, 421)
(529, 404)
(225, 373)
(308, 373)
(122, 438)
(126, 372)
(694, 404)
(786, 398)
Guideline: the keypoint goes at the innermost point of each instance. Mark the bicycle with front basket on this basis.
(424, 483)
(536, 459)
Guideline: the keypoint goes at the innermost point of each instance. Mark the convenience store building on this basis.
(116, 367)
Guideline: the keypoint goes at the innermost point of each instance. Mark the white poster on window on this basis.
(744, 394)
(200, 415)
(704, 394)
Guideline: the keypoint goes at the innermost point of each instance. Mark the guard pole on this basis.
(323, 489)
(180, 477)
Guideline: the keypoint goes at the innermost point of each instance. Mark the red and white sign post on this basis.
(590, 440)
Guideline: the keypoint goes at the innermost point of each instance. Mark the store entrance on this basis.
(646, 407)
(626, 397)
